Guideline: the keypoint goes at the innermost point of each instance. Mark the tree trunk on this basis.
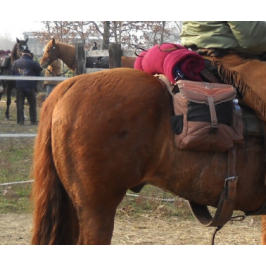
(106, 34)
(162, 34)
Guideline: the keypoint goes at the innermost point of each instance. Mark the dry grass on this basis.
(146, 229)
(11, 126)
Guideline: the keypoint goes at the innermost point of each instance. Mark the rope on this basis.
(214, 233)
(129, 195)
(159, 199)
(16, 183)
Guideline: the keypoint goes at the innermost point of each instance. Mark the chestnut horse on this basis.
(104, 133)
(66, 53)
(8, 85)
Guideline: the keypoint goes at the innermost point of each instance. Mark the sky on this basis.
(29, 19)
(15, 31)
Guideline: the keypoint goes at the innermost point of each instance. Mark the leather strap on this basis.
(264, 139)
(214, 120)
(209, 76)
(227, 200)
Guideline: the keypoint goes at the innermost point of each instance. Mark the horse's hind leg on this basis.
(96, 214)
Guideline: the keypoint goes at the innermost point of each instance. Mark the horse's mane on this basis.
(14, 55)
(50, 44)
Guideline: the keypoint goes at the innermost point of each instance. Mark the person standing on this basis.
(26, 66)
(53, 70)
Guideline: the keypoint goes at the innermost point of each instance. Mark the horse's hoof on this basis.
(7, 119)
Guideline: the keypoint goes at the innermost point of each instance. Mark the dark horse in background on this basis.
(8, 85)
(103, 133)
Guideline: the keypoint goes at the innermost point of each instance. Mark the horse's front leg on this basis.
(8, 102)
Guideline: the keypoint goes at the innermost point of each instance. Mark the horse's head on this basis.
(50, 54)
(21, 46)
(18, 49)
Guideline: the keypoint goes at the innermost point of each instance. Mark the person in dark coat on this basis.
(26, 66)
(95, 46)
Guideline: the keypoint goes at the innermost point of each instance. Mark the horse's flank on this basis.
(118, 137)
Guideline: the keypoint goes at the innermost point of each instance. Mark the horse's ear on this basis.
(26, 40)
(18, 41)
(53, 41)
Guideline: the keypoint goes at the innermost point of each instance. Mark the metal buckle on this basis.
(230, 178)
(213, 129)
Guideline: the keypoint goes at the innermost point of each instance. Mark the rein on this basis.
(58, 75)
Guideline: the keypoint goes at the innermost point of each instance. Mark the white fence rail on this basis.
(32, 78)
(17, 135)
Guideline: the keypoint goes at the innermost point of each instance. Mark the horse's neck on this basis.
(67, 54)
(14, 57)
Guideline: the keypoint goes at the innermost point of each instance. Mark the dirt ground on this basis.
(147, 230)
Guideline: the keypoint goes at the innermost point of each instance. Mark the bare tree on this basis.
(129, 33)
(106, 34)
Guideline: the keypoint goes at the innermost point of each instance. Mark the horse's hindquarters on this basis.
(110, 119)
(103, 138)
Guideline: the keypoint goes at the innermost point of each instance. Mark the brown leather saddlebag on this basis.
(205, 117)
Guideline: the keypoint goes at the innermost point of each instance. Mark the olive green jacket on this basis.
(243, 36)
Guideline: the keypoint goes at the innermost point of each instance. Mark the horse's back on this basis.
(109, 93)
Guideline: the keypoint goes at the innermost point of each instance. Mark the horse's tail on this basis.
(54, 214)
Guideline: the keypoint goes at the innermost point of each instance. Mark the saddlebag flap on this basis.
(205, 117)
(5, 62)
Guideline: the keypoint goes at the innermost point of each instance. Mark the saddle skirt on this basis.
(4, 59)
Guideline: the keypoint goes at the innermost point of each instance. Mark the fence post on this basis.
(115, 54)
(80, 58)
